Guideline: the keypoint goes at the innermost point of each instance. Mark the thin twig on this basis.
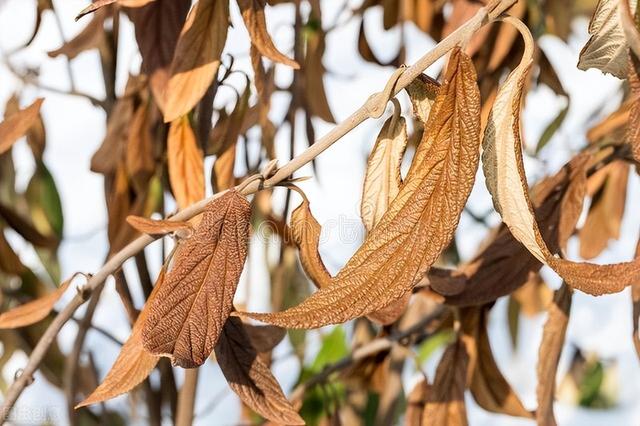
(482, 17)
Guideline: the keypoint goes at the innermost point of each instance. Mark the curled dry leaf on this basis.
(250, 378)
(33, 311)
(157, 227)
(606, 211)
(507, 183)
(607, 48)
(134, 363)
(254, 19)
(419, 222)
(92, 36)
(504, 264)
(422, 93)
(16, 125)
(186, 163)
(306, 231)
(549, 354)
(187, 317)
(487, 384)
(445, 403)
(382, 178)
(197, 56)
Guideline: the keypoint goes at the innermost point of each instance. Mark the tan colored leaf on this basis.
(382, 179)
(506, 37)
(408, 239)
(156, 227)
(253, 15)
(422, 92)
(607, 47)
(306, 231)
(506, 180)
(187, 317)
(250, 378)
(186, 163)
(313, 69)
(36, 135)
(445, 404)
(534, 296)
(635, 299)
(197, 56)
(607, 209)
(487, 385)
(549, 354)
(134, 363)
(139, 154)
(16, 125)
(98, 4)
(91, 37)
(33, 311)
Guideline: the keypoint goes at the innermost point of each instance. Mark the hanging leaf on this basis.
(187, 317)
(186, 163)
(16, 125)
(139, 155)
(33, 311)
(606, 211)
(254, 19)
(422, 93)
(382, 179)
(306, 231)
(157, 227)
(507, 183)
(607, 47)
(92, 36)
(134, 363)
(488, 386)
(409, 238)
(197, 57)
(445, 404)
(25, 228)
(416, 400)
(504, 264)
(549, 354)
(250, 378)
(264, 337)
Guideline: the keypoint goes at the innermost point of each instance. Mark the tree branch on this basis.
(485, 15)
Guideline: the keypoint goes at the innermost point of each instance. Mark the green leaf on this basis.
(430, 345)
(551, 129)
(334, 347)
(44, 202)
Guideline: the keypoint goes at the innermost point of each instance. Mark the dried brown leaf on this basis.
(16, 125)
(186, 163)
(139, 154)
(416, 401)
(422, 92)
(445, 405)
(134, 363)
(33, 311)
(187, 317)
(487, 385)
(264, 337)
(254, 19)
(157, 227)
(313, 69)
(306, 231)
(408, 239)
(92, 36)
(607, 209)
(250, 378)
(506, 180)
(197, 56)
(549, 354)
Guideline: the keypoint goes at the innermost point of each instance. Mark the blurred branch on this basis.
(372, 108)
(187, 398)
(403, 338)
